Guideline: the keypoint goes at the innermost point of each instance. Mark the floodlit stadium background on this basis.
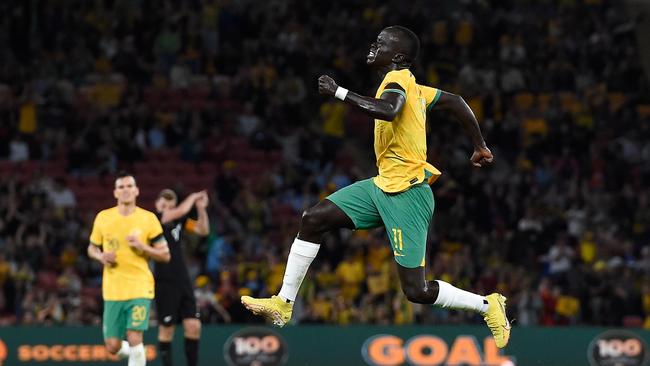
(221, 95)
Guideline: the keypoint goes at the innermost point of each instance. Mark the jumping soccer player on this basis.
(175, 300)
(399, 198)
(123, 239)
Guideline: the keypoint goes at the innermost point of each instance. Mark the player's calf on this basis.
(420, 294)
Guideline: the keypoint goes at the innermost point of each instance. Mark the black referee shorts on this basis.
(174, 303)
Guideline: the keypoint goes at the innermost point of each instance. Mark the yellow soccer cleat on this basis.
(274, 309)
(496, 319)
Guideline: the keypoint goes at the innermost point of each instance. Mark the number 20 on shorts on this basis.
(139, 313)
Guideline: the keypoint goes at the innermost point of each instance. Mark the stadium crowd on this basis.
(560, 223)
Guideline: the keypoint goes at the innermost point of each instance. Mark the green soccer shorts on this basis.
(405, 215)
(122, 315)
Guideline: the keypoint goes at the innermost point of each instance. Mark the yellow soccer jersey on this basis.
(401, 145)
(131, 278)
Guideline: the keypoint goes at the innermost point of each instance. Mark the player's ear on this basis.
(137, 191)
(398, 58)
(115, 193)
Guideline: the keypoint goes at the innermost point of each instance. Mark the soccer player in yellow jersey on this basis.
(123, 239)
(399, 197)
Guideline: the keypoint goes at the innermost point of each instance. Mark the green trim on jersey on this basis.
(401, 92)
(158, 238)
(435, 99)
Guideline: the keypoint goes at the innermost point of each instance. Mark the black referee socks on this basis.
(192, 351)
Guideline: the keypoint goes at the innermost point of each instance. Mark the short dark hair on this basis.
(123, 174)
(412, 45)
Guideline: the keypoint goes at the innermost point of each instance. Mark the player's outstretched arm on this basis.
(203, 223)
(464, 115)
(182, 209)
(386, 108)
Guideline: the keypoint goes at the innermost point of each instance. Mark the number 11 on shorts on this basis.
(397, 239)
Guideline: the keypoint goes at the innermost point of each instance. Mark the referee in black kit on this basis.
(175, 300)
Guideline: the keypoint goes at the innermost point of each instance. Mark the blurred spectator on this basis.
(206, 302)
(61, 196)
(18, 149)
(559, 259)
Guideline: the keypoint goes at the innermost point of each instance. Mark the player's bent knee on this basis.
(416, 295)
(165, 333)
(314, 221)
(134, 337)
(192, 328)
(113, 345)
(310, 221)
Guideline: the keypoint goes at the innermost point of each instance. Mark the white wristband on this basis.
(341, 93)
